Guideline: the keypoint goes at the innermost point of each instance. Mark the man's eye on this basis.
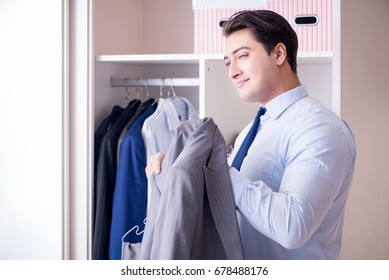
(228, 63)
(242, 56)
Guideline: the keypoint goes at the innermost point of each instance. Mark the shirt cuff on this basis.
(239, 183)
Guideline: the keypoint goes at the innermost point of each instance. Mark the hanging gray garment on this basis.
(192, 211)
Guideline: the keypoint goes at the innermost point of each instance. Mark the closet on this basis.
(163, 63)
(202, 79)
(209, 89)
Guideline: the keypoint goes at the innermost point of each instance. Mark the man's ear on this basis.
(280, 53)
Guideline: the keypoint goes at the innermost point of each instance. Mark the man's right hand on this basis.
(154, 165)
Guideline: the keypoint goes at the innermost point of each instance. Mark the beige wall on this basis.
(175, 31)
(143, 26)
(119, 22)
(364, 104)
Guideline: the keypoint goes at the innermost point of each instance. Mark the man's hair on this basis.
(268, 28)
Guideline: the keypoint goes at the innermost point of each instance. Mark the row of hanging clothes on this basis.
(123, 142)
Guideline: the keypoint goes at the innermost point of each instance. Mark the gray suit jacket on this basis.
(192, 211)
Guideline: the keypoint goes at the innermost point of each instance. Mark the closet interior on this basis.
(213, 95)
(142, 51)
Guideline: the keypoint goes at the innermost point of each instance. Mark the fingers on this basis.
(149, 170)
(155, 164)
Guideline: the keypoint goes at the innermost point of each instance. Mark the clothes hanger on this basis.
(161, 87)
(126, 88)
(168, 89)
(136, 228)
(128, 95)
(147, 88)
(137, 89)
(172, 88)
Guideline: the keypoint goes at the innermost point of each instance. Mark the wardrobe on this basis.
(165, 62)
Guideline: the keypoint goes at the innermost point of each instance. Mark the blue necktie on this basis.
(248, 140)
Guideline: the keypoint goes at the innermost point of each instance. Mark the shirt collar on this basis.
(280, 103)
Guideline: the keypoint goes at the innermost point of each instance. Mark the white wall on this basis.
(32, 130)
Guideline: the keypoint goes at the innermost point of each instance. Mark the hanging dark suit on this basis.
(105, 183)
(100, 132)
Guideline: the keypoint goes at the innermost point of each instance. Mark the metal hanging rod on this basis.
(167, 82)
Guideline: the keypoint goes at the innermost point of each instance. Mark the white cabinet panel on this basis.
(32, 161)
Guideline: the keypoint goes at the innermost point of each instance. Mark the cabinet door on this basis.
(32, 154)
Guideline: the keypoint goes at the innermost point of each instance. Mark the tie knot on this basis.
(261, 111)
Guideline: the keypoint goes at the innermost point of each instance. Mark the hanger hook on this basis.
(126, 88)
(136, 87)
(164, 86)
(160, 91)
(147, 87)
(172, 88)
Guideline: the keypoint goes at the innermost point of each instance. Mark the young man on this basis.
(291, 185)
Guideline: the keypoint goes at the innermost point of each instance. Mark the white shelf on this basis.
(314, 57)
(157, 58)
(193, 59)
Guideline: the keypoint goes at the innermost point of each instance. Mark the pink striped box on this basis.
(312, 37)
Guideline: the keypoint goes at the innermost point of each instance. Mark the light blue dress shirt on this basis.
(293, 184)
(158, 130)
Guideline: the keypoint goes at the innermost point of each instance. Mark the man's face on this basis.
(251, 69)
